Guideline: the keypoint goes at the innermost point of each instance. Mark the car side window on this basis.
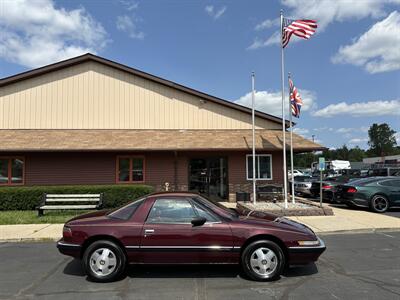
(202, 212)
(171, 211)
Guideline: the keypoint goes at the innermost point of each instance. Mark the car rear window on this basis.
(125, 212)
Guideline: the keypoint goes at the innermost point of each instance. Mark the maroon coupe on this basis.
(186, 228)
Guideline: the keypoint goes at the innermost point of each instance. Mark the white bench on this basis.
(70, 201)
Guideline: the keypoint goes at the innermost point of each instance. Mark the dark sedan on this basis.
(376, 193)
(186, 228)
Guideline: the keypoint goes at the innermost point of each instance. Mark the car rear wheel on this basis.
(379, 204)
(104, 261)
(263, 260)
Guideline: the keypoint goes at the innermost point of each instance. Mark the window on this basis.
(395, 183)
(11, 170)
(125, 212)
(263, 167)
(202, 212)
(130, 169)
(171, 211)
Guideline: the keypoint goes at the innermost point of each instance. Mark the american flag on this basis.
(302, 28)
(295, 99)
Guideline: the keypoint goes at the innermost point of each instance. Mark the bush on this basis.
(28, 198)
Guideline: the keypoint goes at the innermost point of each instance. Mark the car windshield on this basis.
(215, 206)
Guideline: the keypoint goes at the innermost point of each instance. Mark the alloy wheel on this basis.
(380, 203)
(103, 262)
(263, 261)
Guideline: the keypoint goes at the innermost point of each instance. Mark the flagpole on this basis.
(291, 143)
(283, 119)
(254, 139)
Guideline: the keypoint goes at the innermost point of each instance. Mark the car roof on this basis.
(173, 193)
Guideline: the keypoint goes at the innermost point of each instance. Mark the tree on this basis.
(356, 154)
(382, 140)
(343, 153)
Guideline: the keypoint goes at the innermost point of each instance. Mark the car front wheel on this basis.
(104, 261)
(379, 204)
(263, 260)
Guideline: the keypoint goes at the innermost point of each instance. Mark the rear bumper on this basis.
(304, 255)
(70, 249)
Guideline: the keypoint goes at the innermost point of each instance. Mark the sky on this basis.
(348, 73)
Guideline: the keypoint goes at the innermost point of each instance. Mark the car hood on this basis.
(258, 218)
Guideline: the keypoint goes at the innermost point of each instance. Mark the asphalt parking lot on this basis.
(355, 266)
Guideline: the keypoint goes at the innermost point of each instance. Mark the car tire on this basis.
(379, 204)
(104, 261)
(263, 260)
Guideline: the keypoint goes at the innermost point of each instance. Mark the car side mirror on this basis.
(198, 221)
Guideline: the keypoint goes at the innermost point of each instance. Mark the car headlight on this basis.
(308, 243)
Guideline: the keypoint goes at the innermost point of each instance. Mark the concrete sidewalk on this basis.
(30, 232)
(343, 220)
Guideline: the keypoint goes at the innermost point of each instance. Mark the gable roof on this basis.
(90, 57)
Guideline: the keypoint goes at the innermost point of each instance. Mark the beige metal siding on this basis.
(94, 96)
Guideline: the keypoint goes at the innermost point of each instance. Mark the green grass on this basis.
(30, 216)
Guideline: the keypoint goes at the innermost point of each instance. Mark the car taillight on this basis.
(352, 190)
(327, 187)
(67, 233)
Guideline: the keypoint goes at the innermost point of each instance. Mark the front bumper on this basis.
(299, 255)
(70, 249)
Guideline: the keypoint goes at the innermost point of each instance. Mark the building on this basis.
(383, 160)
(88, 120)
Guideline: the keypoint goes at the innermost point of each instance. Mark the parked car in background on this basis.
(186, 228)
(302, 185)
(330, 187)
(376, 193)
(295, 173)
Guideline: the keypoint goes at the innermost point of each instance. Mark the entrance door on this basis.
(209, 176)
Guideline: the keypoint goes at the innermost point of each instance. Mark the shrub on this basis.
(28, 198)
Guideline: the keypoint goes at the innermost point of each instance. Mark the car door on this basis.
(393, 186)
(168, 235)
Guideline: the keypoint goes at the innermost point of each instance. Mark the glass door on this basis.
(209, 176)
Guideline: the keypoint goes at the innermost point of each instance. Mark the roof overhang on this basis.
(148, 140)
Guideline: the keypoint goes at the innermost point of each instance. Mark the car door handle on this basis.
(148, 231)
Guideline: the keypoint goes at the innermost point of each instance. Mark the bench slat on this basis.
(68, 207)
(73, 200)
(73, 195)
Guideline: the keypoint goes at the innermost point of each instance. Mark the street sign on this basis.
(321, 165)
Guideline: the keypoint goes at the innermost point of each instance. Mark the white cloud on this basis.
(358, 141)
(352, 129)
(127, 24)
(324, 12)
(267, 24)
(377, 50)
(324, 128)
(274, 39)
(271, 102)
(397, 137)
(36, 33)
(360, 109)
(301, 131)
(328, 11)
(129, 4)
(215, 13)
